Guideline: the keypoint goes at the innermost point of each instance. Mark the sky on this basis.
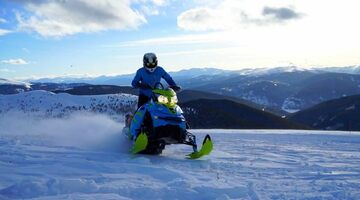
(50, 38)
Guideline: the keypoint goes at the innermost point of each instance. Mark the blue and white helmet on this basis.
(150, 61)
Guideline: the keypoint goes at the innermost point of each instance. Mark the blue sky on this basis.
(48, 38)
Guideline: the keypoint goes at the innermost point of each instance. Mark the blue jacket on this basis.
(160, 116)
(150, 78)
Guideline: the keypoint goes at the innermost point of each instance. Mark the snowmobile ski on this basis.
(205, 149)
(140, 143)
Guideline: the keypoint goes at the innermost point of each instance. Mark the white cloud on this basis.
(61, 18)
(151, 7)
(202, 19)
(234, 14)
(2, 20)
(176, 40)
(15, 62)
(6, 70)
(4, 32)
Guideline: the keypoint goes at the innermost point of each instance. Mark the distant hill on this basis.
(338, 114)
(13, 87)
(191, 95)
(99, 90)
(50, 105)
(227, 114)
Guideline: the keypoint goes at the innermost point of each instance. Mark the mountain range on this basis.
(277, 90)
(289, 89)
(337, 114)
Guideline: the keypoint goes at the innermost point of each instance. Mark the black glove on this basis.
(175, 88)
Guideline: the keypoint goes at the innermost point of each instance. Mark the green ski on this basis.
(140, 143)
(205, 149)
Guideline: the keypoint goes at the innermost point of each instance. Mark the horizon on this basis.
(62, 38)
(87, 76)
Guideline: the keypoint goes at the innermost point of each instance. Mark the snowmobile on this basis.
(158, 129)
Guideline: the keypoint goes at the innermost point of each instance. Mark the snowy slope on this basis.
(47, 104)
(86, 157)
(44, 155)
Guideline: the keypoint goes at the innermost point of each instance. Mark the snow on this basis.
(352, 107)
(269, 70)
(85, 156)
(50, 150)
(292, 104)
(251, 96)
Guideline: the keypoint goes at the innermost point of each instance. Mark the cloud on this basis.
(233, 14)
(174, 40)
(4, 32)
(6, 70)
(159, 2)
(281, 13)
(18, 61)
(2, 20)
(151, 7)
(60, 18)
(201, 19)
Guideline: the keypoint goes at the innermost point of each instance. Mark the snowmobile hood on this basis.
(166, 92)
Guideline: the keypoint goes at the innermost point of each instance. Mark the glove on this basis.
(175, 88)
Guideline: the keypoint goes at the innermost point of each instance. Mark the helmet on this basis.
(150, 61)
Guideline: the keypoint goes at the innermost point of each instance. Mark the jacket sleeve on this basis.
(136, 81)
(137, 121)
(168, 78)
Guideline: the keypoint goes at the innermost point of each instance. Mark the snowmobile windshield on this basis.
(166, 97)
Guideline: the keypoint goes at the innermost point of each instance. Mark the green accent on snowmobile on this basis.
(165, 92)
(205, 149)
(140, 143)
(169, 94)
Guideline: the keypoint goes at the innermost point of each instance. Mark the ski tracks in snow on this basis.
(245, 164)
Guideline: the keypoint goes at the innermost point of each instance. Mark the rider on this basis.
(148, 76)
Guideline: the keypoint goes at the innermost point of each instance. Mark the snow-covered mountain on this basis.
(289, 88)
(13, 82)
(195, 72)
(47, 104)
(268, 71)
(348, 69)
(12, 87)
(125, 79)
